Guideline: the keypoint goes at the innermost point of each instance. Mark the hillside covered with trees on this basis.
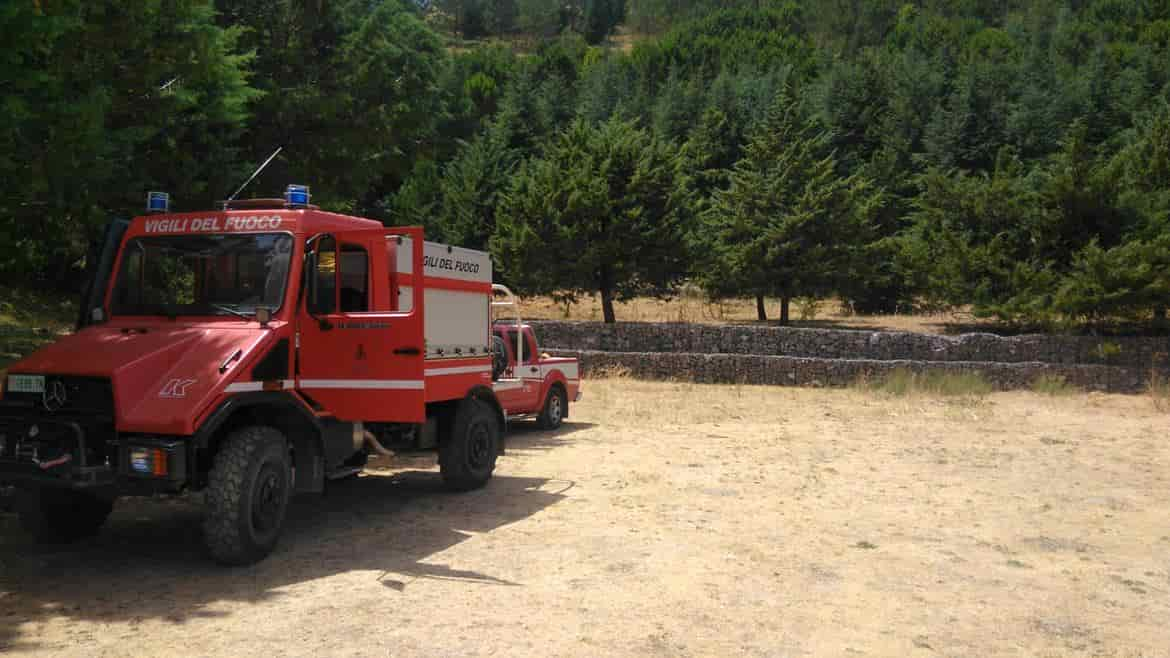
(1013, 155)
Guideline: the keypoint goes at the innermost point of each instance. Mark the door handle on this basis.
(535, 369)
(407, 351)
(324, 324)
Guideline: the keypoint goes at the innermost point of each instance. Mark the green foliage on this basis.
(596, 212)
(351, 90)
(85, 135)
(473, 19)
(787, 224)
(731, 38)
(1066, 239)
(472, 187)
(1009, 156)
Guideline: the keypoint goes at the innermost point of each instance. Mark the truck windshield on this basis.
(202, 274)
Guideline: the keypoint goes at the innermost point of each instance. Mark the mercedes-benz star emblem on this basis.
(55, 395)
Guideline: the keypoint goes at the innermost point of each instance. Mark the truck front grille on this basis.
(84, 396)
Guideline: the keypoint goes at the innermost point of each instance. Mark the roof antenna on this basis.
(252, 177)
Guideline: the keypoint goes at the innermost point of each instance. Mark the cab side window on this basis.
(509, 338)
(355, 278)
(324, 277)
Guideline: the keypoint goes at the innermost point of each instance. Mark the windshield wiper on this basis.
(228, 309)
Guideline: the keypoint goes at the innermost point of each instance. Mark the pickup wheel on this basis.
(60, 515)
(248, 492)
(556, 407)
(467, 456)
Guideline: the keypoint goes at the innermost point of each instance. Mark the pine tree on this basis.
(597, 212)
(788, 224)
(472, 185)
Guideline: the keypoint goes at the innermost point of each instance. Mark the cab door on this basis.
(528, 369)
(357, 358)
(518, 393)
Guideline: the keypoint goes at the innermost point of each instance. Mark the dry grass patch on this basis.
(692, 306)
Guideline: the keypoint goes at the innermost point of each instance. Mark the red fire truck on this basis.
(255, 352)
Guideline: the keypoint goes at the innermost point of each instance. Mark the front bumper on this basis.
(45, 451)
(49, 451)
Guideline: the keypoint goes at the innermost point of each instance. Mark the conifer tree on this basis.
(597, 212)
(788, 224)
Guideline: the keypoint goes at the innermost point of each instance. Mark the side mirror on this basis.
(263, 316)
(97, 315)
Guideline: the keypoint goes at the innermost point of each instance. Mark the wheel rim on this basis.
(554, 409)
(479, 446)
(267, 499)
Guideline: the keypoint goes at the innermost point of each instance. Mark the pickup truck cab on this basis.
(527, 383)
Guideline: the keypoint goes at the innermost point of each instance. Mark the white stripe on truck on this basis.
(379, 384)
(460, 370)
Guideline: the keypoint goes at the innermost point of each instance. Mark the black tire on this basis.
(247, 496)
(556, 408)
(467, 456)
(61, 515)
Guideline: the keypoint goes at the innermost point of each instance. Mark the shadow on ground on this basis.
(148, 562)
(526, 435)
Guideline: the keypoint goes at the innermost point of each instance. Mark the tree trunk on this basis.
(761, 312)
(607, 296)
(607, 306)
(1159, 316)
(784, 311)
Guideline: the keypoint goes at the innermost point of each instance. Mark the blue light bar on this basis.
(158, 202)
(296, 195)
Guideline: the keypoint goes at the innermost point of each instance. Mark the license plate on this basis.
(26, 383)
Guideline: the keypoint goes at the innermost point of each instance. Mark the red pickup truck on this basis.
(526, 382)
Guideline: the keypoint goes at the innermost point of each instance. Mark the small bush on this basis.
(807, 308)
(614, 371)
(1053, 385)
(1108, 350)
(1159, 390)
(902, 382)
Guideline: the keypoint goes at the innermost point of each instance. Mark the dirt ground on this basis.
(673, 520)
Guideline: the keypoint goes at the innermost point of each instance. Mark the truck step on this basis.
(344, 472)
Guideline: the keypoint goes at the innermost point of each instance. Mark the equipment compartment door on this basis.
(357, 358)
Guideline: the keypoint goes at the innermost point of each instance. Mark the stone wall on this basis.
(803, 371)
(1129, 352)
